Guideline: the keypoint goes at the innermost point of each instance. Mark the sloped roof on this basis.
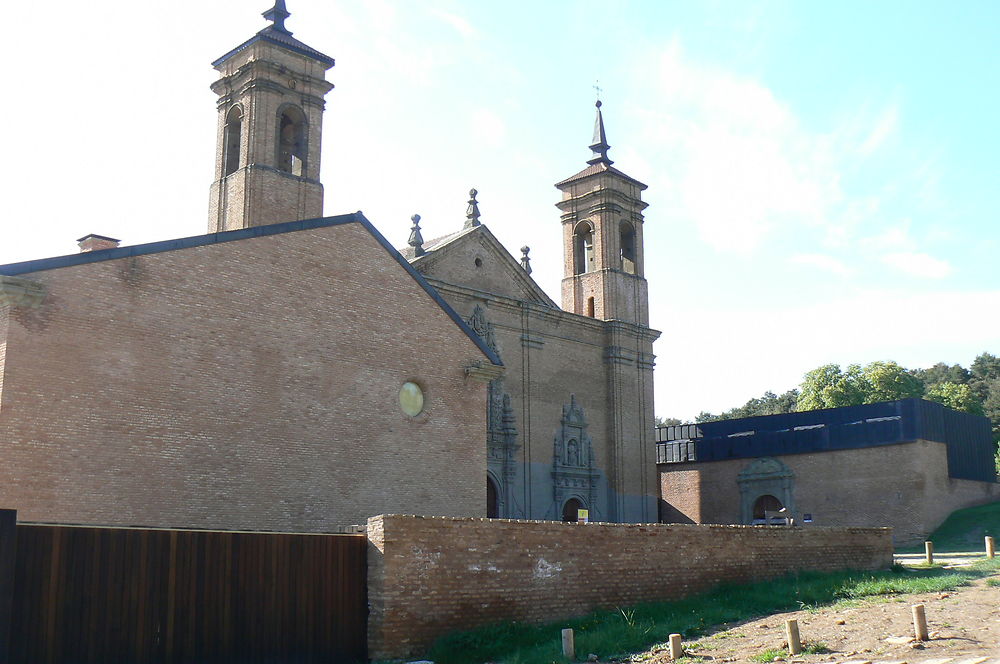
(437, 249)
(280, 38)
(40, 265)
(597, 169)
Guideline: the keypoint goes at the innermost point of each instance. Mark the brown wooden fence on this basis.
(134, 596)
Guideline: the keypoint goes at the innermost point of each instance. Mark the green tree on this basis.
(985, 371)
(666, 421)
(887, 381)
(955, 395)
(943, 373)
(829, 387)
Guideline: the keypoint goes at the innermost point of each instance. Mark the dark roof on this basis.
(597, 169)
(968, 438)
(283, 39)
(40, 265)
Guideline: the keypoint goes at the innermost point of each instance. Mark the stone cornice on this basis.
(18, 292)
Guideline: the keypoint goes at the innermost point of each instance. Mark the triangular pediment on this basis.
(475, 259)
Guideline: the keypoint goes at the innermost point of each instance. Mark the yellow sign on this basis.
(582, 516)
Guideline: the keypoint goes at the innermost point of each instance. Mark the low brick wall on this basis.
(428, 576)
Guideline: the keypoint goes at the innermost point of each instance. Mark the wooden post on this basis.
(792, 632)
(8, 551)
(676, 651)
(990, 547)
(569, 649)
(919, 622)
(929, 552)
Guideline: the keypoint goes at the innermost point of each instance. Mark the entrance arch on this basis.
(569, 513)
(492, 499)
(763, 505)
(765, 478)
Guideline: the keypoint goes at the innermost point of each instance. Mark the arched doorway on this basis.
(492, 503)
(763, 505)
(570, 510)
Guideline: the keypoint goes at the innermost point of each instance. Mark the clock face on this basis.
(411, 399)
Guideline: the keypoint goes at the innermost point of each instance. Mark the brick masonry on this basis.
(905, 486)
(250, 384)
(430, 576)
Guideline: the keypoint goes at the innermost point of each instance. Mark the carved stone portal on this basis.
(765, 477)
(573, 472)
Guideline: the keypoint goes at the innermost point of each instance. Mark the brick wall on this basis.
(430, 576)
(904, 486)
(250, 384)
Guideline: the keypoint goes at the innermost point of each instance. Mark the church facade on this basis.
(288, 371)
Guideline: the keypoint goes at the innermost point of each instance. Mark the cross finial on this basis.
(525, 261)
(472, 212)
(597, 87)
(277, 15)
(416, 239)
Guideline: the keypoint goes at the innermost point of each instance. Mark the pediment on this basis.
(475, 259)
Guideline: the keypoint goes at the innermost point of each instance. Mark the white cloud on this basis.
(741, 163)
(460, 24)
(488, 128)
(884, 127)
(823, 262)
(918, 264)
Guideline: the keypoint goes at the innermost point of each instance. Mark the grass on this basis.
(618, 632)
(965, 529)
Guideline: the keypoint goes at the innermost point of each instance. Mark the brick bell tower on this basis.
(602, 239)
(271, 98)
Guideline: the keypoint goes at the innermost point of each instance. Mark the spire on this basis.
(525, 261)
(472, 212)
(600, 145)
(277, 15)
(416, 239)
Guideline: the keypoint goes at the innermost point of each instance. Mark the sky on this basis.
(824, 183)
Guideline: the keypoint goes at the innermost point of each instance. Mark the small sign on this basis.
(807, 518)
(582, 516)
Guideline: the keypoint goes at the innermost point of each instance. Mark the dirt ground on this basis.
(963, 623)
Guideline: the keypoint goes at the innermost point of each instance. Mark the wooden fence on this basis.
(134, 596)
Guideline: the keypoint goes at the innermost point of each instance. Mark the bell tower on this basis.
(271, 98)
(602, 239)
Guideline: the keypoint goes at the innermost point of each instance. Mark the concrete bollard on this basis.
(990, 547)
(792, 634)
(676, 651)
(919, 622)
(569, 649)
(929, 552)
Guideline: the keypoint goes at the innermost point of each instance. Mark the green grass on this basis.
(965, 529)
(619, 632)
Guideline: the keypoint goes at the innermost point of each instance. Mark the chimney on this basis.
(94, 242)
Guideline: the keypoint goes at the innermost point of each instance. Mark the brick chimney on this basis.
(94, 242)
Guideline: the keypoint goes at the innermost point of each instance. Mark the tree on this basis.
(943, 373)
(955, 395)
(887, 381)
(666, 421)
(829, 387)
(985, 371)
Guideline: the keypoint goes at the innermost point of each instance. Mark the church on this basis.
(289, 371)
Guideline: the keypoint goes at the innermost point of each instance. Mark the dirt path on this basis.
(963, 623)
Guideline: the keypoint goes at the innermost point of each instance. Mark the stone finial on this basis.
(277, 15)
(525, 261)
(416, 239)
(472, 212)
(94, 242)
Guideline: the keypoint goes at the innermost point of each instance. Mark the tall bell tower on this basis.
(271, 98)
(602, 239)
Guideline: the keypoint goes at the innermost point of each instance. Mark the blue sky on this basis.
(823, 177)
